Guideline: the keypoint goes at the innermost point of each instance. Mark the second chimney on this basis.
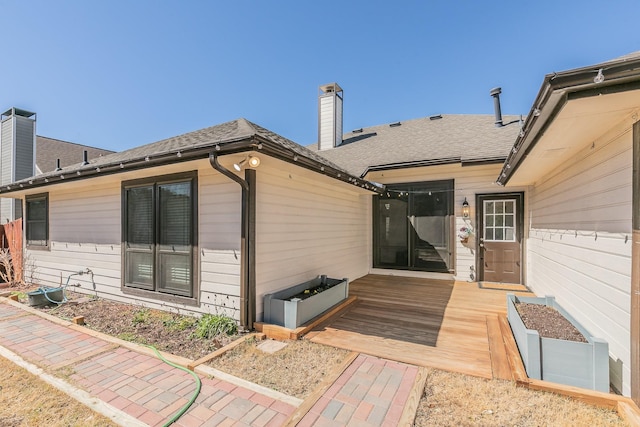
(329, 116)
(495, 92)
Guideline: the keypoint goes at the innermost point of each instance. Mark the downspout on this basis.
(245, 247)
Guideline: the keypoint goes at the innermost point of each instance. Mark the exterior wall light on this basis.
(251, 161)
(465, 208)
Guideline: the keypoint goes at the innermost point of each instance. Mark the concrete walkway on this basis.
(135, 387)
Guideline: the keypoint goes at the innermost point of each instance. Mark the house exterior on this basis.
(578, 155)
(170, 225)
(212, 220)
(431, 167)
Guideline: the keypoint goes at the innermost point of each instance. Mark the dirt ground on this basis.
(548, 322)
(295, 370)
(26, 400)
(169, 332)
(454, 399)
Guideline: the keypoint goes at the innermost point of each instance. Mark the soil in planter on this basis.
(307, 293)
(548, 322)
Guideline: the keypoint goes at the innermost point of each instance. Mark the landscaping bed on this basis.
(296, 370)
(458, 400)
(170, 332)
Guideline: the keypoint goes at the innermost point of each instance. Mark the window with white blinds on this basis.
(159, 237)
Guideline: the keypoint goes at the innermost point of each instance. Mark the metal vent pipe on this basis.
(495, 92)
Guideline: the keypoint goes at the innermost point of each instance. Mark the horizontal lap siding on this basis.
(219, 241)
(580, 243)
(468, 182)
(85, 232)
(307, 226)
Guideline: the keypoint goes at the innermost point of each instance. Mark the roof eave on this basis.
(556, 89)
(244, 144)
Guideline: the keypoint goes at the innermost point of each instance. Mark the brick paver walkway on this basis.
(140, 385)
(370, 392)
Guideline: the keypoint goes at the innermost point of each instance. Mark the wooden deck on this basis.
(448, 325)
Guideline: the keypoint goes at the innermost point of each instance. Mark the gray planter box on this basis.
(572, 363)
(278, 310)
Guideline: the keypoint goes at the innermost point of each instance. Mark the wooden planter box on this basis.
(572, 363)
(279, 310)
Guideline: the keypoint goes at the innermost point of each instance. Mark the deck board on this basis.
(432, 323)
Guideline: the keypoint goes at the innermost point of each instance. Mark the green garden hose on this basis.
(186, 407)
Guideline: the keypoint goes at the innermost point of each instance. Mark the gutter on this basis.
(247, 237)
(433, 162)
(252, 143)
(556, 90)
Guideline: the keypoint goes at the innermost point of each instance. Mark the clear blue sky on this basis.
(116, 74)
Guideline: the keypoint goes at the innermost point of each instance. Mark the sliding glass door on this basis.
(413, 227)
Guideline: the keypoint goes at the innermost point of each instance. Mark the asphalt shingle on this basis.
(464, 138)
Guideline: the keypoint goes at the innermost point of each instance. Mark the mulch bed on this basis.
(548, 322)
(169, 332)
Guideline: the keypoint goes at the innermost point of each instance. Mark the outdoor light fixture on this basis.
(465, 208)
(251, 161)
(599, 78)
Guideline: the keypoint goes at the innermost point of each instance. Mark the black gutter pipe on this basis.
(245, 258)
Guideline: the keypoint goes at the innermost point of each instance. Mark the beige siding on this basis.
(469, 181)
(580, 243)
(308, 225)
(85, 232)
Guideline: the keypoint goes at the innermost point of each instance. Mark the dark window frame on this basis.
(436, 185)
(156, 293)
(27, 222)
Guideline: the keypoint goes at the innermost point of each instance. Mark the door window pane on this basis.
(499, 220)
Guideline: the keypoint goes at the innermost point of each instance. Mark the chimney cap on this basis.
(13, 111)
(330, 87)
(495, 91)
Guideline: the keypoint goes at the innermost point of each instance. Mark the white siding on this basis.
(330, 121)
(85, 232)
(307, 225)
(580, 243)
(468, 182)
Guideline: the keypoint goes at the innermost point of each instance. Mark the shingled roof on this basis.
(193, 145)
(428, 140)
(48, 150)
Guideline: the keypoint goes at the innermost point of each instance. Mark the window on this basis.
(499, 220)
(37, 220)
(159, 236)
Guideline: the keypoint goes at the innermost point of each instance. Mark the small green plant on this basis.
(22, 296)
(127, 336)
(141, 316)
(213, 325)
(178, 323)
